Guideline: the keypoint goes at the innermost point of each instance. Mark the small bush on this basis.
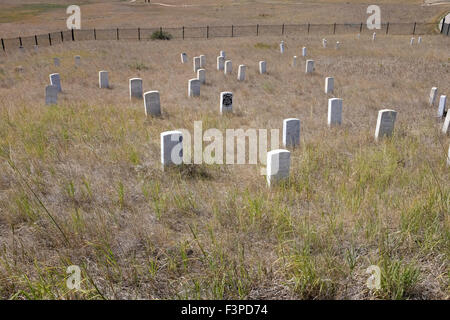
(161, 35)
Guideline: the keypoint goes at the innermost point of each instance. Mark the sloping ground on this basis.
(80, 182)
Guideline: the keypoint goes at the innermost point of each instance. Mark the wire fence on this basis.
(207, 32)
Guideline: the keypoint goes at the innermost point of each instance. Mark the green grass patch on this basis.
(21, 12)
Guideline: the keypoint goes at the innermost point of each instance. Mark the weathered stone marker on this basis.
(329, 85)
(196, 62)
(411, 42)
(441, 108)
(294, 61)
(183, 57)
(304, 52)
(56, 62)
(136, 88)
(334, 111)
(226, 102)
(433, 95)
(338, 44)
(385, 123)
(171, 148)
(222, 54)
(419, 40)
(278, 165)
(103, 82)
(194, 88)
(152, 103)
(202, 61)
(51, 95)
(262, 67)
(374, 35)
(201, 76)
(309, 66)
(77, 60)
(291, 132)
(220, 63)
(446, 125)
(55, 80)
(228, 67)
(324, 43)
(241, 72)
(282, 47)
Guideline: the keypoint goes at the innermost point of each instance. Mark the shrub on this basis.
(161, 35)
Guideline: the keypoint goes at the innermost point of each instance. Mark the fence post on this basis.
(35, 40)
(117, 33)
(334, 28)
(95, 34)
(207, 32)
(308, 27)
(443, 25)
(387, 28)
(139, 34)
(62, 37)
(257, 30)
(232, 31)
(282, 30)
(20, 41)
(50, 39)
(73, 35)
(360, 27)
(414, 30)
(183, 32)
(3, 45)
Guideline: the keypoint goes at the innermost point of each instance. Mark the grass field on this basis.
(80, 182)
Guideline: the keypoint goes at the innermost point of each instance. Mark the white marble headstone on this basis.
(441, 108)
(222, 54)
(196, 62)
(103, 79)
(241, 72)
(294, 61)
(56, 62)
(446, 125)
(291, 132)
(278, 165)
(202, 61)
(374, 35)
(433, 95)
(171, 148)
(262, 67)
(55, 80)
(304, 51)
(183, 57)
(329, 85)
(152, 103)
(419, 40)
(411, 42)
(334, 111)
(324, 43)
(226, 102)
(309, 66)
(228, 67)
(201, 76)
(338, 44)
(385, 123)
(136, 90)
(51, 95)
(282, 47)
(220, 63)
(194, 88)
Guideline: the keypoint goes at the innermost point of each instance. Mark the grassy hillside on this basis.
(80, 182)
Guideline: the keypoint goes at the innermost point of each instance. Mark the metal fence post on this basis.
(387, 28)
(73, 35)
(50, 39)
(360, 27)
(117, 33)
(62, 37)
(35, 40)
(308, 27)
(334, 29)
(139, 34)
(207, 32)
(282, 30)
(257, 30)
(95, 34)
(20, 41)
(414, 30)
(183, 32)
(3, 45)
(443, 25)
(232, 31)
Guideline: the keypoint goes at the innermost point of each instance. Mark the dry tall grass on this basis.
(80, 183)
